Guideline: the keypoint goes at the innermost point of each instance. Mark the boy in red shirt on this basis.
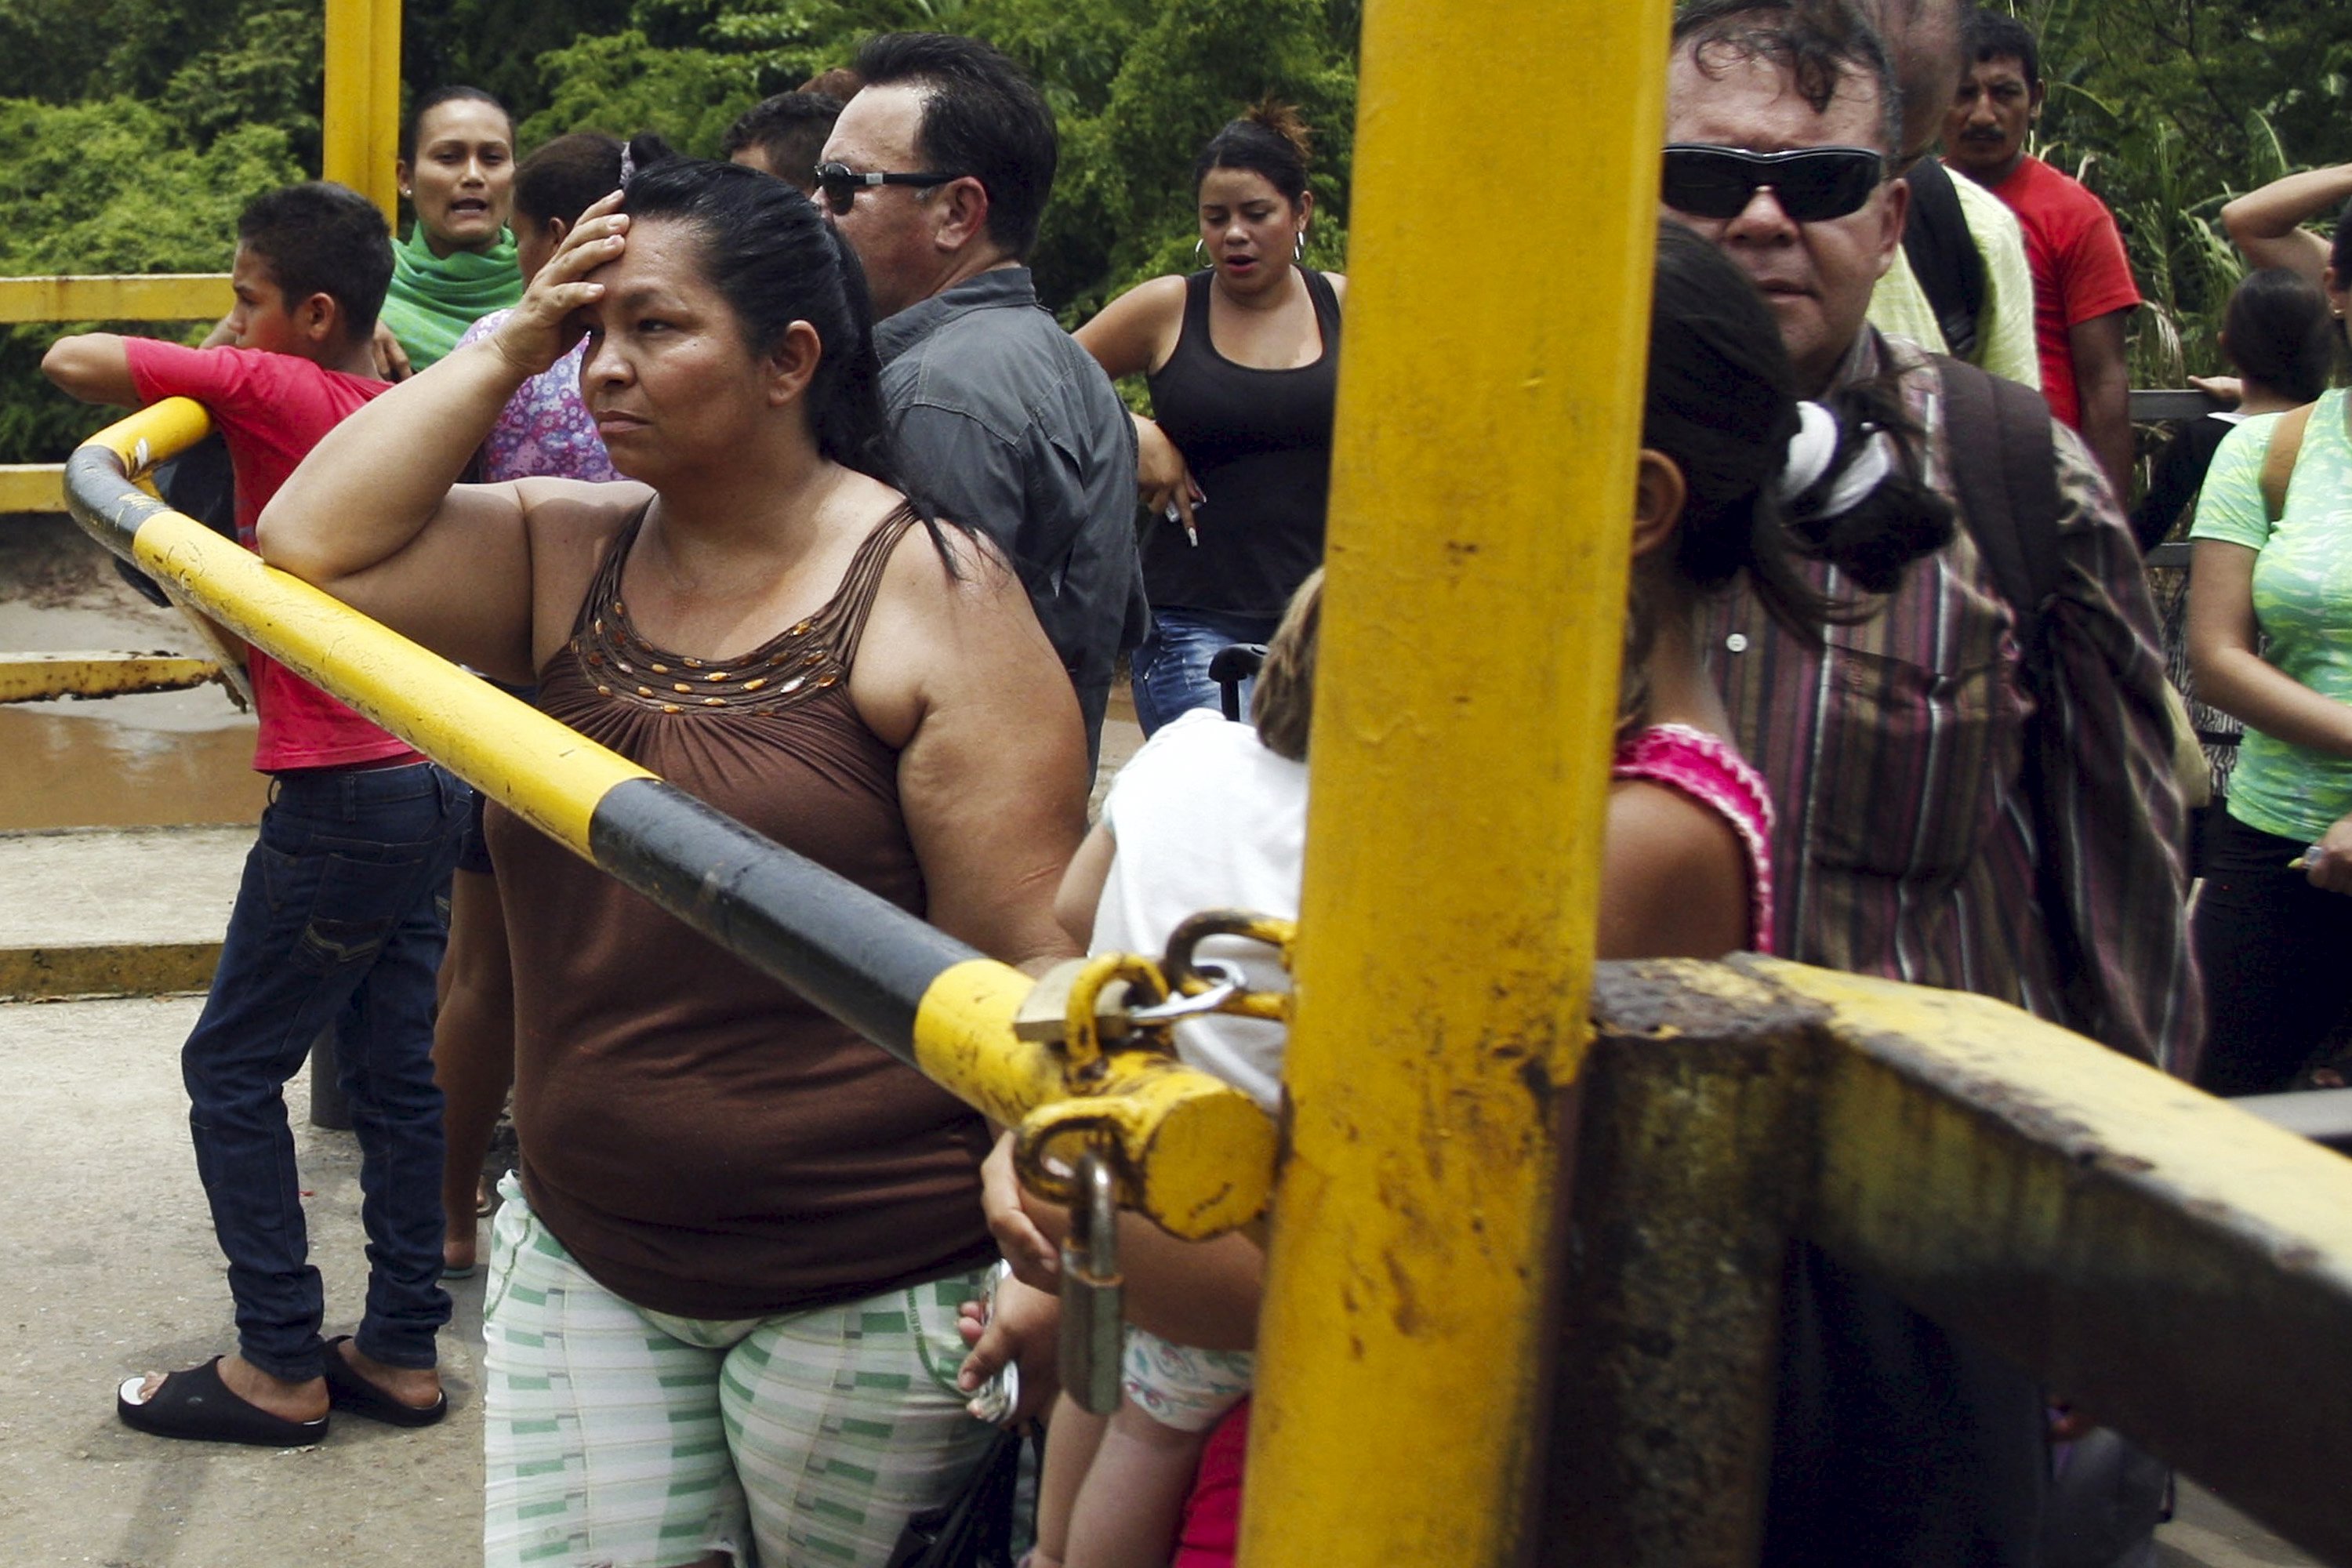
(337, 921)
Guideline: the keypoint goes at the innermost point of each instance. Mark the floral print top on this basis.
(545, 431)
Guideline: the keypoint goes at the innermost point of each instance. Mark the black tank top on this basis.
(1259, 445)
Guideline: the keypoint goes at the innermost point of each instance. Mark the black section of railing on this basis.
(851, 952)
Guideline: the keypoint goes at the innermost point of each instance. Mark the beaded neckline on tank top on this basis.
(797, 665)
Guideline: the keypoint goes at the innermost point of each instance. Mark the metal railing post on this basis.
(359, 128)
(1481, 491)
(1692, 1164)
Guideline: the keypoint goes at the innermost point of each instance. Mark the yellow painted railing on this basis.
(153, 296)
(1195, 1154)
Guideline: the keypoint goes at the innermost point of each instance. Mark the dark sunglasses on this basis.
(1812, 183)
(839, 184)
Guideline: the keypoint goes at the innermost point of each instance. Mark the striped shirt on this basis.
(1904, 845)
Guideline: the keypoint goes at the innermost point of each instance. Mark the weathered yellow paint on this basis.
(539, 769)
(106, 969)
(2108, 1103)
(146, 439)
(34, 677)
(155, 433)
(2178, 1267)
(1482, 488)
(1195, 1154)
(153, 296)
(543, 771)
(360, 132)
(32, 487)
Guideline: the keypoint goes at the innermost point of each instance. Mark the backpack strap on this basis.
(2278, 460)
(2004, 462)
(1944, 257)
(2005, 467)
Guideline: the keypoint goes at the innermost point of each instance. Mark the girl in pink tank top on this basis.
(1741, 485)
(1738, 482)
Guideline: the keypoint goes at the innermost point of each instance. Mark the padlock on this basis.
(1091, 1340)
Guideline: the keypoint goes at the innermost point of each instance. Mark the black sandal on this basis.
(347, 1390)
(197, 1405)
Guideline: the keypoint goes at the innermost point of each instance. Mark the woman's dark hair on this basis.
(1722, 405)
(434, 100)
(1270, 139)
(566, 176)
(2277, 332)
(776, 261)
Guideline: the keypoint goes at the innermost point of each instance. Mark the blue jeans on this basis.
(341, 919)
(1168, 671)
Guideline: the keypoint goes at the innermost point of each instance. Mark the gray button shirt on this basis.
(1005, 425)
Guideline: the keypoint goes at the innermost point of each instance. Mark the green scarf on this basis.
(434, 299)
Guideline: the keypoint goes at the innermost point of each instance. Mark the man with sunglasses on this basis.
(1913, 839)
(936, 173)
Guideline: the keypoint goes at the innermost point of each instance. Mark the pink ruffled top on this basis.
(1708, 770)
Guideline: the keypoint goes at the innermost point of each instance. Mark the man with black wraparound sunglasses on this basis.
(936, 173)
(1968, 796)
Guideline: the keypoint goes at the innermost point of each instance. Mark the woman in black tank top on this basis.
(1242, 359)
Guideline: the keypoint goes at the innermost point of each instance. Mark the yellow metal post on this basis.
(1482, 493)
(361, 127)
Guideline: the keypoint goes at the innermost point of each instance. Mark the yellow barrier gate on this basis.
(1195, 1154)
(1458, 1122)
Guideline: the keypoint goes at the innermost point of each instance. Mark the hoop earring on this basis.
(1201, 252)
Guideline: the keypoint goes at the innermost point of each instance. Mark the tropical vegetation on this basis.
(131, 130)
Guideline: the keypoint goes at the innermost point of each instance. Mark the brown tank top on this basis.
(701, 1140)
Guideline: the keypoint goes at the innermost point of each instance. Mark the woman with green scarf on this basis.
(457, 264)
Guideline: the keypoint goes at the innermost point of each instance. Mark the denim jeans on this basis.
(1168, 672)
(341, 919)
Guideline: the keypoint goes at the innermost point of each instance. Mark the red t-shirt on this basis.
(2079, 272)
(271, 409)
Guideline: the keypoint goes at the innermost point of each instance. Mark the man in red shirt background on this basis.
(338, 920)
(2083, 290)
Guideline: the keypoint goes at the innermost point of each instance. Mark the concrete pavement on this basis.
(108, 1268)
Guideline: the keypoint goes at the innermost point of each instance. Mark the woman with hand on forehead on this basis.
(458, 264)
(721, 1323)
(1242, 359)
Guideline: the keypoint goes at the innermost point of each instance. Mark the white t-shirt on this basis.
(1206, 817)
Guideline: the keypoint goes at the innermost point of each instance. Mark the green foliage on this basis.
(2170, 107)
(97, 187)
(1136, 86)
(267, 71)
(496, 45)
(623, 85)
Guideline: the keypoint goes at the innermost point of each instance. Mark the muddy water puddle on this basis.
(138, 761)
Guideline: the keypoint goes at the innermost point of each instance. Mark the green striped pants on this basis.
(616, 1437)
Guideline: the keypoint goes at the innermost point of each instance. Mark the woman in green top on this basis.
(2270, 643)
(457, 264)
